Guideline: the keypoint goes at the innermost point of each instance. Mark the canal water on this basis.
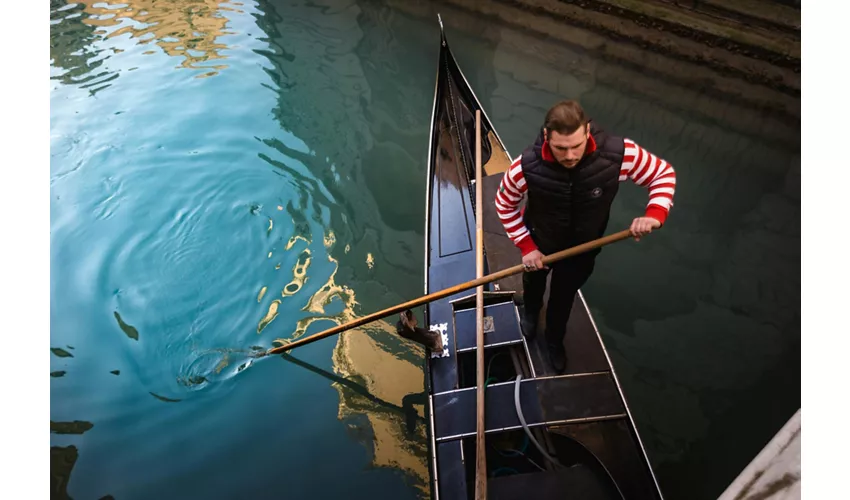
(227, 174)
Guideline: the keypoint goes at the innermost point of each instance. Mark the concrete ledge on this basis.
(775, 472)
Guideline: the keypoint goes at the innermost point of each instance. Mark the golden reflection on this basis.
(499, 161)
(270, 316)
(394, 380)
(292, 241)
(262, 292)
(449, 155)
(370, 261)
(299, 274)
(394, 399)
(330, 239)
(330, 290)
(271, 225)
(327, 293)
(188, 29)
(222, 364)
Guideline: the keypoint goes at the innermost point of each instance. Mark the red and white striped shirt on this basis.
(639, 165)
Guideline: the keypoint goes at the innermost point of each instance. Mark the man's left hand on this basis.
(642, 226)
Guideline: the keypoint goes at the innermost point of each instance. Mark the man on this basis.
(570, 176)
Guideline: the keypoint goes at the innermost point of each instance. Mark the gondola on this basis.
(548, 435)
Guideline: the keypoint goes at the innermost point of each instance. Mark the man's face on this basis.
(568, 148)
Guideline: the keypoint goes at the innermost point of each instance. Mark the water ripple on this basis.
(195, 221)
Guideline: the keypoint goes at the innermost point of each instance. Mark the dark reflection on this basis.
(62, 460)
(321, 88)
(307, 185)
(352, 98)
(116, 372)
(62, 353)
(72, 50)
(75, 427)
(59, 373)
(307, 188)
(353, 94)
(322, 93)
(193, 380)
(129, 330)
(163, 398)
(407, 409)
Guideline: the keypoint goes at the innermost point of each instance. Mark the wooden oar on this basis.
(504, 273)
(481, 451)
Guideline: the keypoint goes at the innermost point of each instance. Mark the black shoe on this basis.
(529, 326)
(557, 356)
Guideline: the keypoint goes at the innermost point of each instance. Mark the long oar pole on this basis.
(481, 451)
(504, 273)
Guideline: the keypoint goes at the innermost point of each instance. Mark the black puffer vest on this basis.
(571, 206)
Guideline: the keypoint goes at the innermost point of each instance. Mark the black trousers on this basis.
(567, 277)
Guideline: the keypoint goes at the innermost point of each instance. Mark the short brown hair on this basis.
(565, 117)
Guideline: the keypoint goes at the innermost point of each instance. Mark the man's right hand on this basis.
(533, 261)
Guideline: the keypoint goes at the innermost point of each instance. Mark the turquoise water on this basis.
(177, 183)
(211, 158)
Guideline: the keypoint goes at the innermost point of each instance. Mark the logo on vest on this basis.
(596, 193)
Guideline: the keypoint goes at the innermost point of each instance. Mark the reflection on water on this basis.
(323, 297)
(62, 460)
(270, 316)
(299, 273)
(398, 428)
(189, 30)
(75, 427)
(396, 440)
(165, 399)
(72, 54)
(202, 217)
(62, 353)
(128, 330)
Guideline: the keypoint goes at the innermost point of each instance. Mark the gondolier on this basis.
(570, 176)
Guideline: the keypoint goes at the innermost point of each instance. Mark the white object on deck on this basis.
(442, 328)
(774, 474)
